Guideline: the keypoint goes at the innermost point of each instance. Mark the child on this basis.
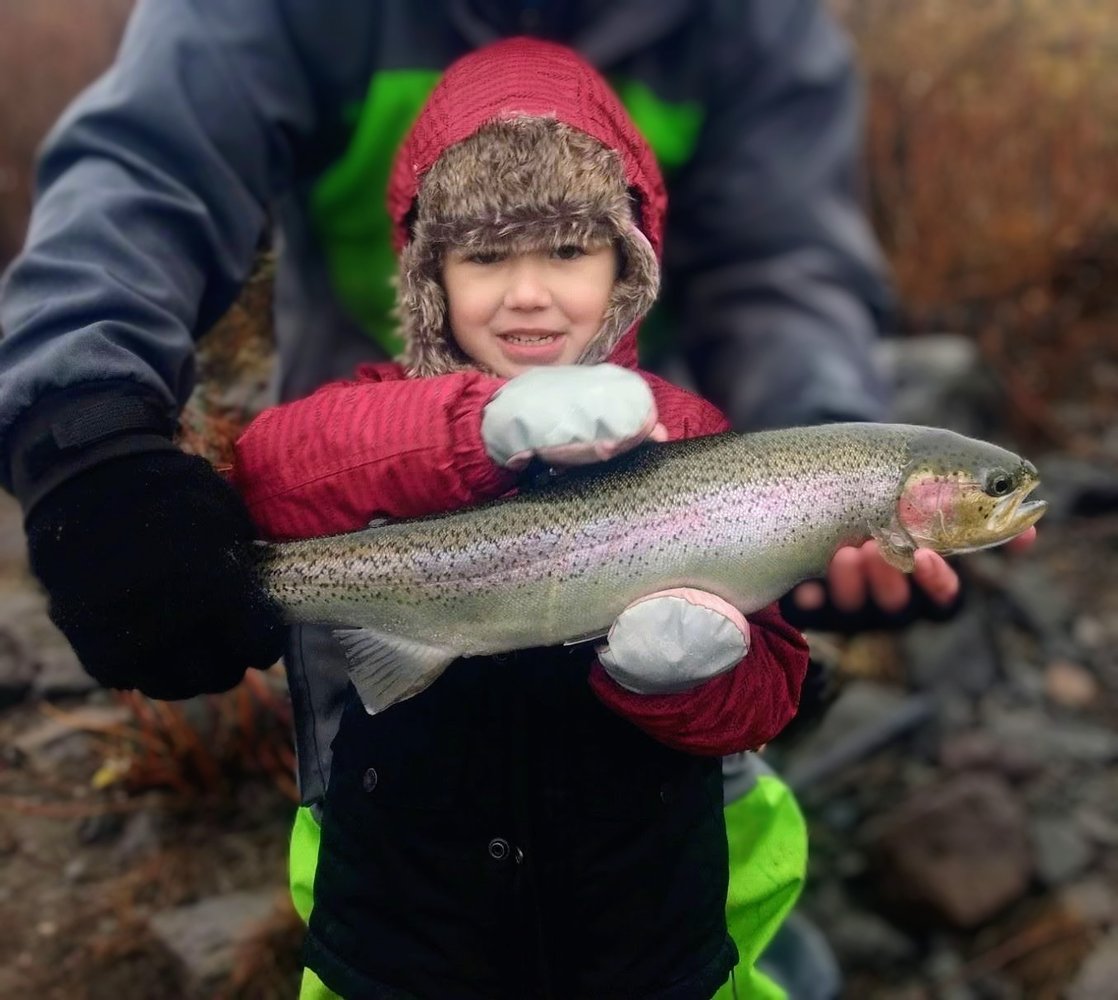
(546, 823)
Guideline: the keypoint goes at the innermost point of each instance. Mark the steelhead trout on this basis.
(744, 516)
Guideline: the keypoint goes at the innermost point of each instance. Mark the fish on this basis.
(745, 516)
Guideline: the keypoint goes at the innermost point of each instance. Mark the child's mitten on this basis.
(684, 667)
(568, 415)
(673, 640)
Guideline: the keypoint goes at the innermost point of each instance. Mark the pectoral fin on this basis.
(896, 546)
(589, 637)
(386, 669)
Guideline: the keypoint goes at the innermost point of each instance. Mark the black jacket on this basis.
(489, 840)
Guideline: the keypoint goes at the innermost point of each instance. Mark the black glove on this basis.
(143, 556)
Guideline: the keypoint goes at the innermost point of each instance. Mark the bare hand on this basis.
(858, 574)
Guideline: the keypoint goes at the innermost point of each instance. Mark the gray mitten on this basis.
(674, 640)
(569, 415)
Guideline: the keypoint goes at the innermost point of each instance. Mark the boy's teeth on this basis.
(521, 339)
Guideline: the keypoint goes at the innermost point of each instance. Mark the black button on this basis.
(499, 848)
(369, 779)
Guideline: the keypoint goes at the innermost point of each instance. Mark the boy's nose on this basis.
(527, 286)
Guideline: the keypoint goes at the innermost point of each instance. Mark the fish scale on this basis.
(744, 516)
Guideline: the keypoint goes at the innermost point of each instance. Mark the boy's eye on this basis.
(485, 257)
(569, 251)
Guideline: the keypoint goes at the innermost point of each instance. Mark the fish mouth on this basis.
(1013, 514)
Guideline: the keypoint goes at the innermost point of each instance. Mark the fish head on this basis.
(959, 494)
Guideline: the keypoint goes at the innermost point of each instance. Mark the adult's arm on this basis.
(152, 196)
(153, 192)
(771, 264)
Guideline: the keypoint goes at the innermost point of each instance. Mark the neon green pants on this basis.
(768, 860)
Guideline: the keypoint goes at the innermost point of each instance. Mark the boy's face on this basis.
(511, 312)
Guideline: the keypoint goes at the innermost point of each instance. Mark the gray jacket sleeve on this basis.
(770, 262)
(152, 194)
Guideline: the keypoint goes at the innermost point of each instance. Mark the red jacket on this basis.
(386, 446)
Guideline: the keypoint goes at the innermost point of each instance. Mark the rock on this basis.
(141, 838)
(960, 849)
(1097, 978)
(977, 749)
(1089, 632)
(860, 707)
(1101, 829)
(841, 814)
(958, 655)
(1052, 739)
(1060, 851)
(1069, 685)
(1090, 902)
(99, 828)
(17, 670)
(76, 869)
(60, 675)
(968, 751)
(38, 648)
(1076, 487)
(87, 718)
(872, 656)
(205, 936)
(863, 940)
(944, 965)
(1039, 605)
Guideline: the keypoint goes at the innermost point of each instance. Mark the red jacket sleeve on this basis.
(379, 446)
(683, 414)
(745, 707)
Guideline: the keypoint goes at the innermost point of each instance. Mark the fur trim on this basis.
(519, 184)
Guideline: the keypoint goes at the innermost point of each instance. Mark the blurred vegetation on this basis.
(992, 154)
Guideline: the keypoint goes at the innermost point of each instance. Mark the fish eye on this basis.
(998, 483)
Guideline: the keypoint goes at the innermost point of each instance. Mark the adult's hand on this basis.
(859, 583)
(144, 559)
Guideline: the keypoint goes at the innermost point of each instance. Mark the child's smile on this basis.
(530, 346)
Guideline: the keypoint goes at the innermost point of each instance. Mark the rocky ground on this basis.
(142, 851)
(961, 791)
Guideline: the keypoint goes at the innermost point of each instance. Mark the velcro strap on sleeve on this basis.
(66, 433)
